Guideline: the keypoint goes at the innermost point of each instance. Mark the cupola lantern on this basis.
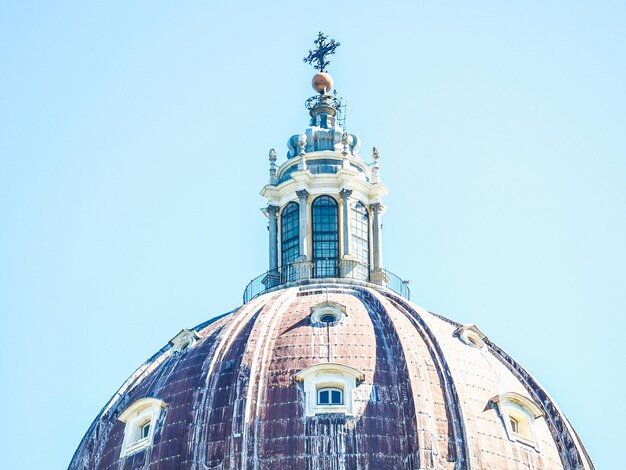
(324, 203)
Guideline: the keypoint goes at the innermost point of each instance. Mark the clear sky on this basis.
(133, 145)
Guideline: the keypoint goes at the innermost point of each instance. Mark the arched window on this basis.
(518, 414)
(330, 396)
(329, 388)
(290, 239)
(141, 419)
(360, 239)
(325, 237)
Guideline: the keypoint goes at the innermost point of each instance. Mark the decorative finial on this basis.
(272, 157)
(375, 168)
(345, 141)
(322, 82)
(302, 146)
(323, 49)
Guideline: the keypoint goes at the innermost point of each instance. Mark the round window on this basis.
(327, 313)
(471, 338)
(328, 318)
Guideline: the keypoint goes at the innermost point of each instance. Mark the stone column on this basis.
(345, 197)
(378, 275)
(273, 232)
(303, 264)
(273, 277)
(303, 194)
(347, 260)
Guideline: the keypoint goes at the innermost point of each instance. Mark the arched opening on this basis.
(360, 239)
(518, 415)
(330, 396)
(325, 237)
(289, 240)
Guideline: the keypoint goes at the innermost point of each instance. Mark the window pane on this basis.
(323, 397)
(359, 218)
(325, 237)
(336, 397)
(290, 238)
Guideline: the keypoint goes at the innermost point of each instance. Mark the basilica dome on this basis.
(328, 364)
(414, 390)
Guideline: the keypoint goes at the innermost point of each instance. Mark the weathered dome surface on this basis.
(425, 401)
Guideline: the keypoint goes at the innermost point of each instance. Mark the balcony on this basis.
(325, 269)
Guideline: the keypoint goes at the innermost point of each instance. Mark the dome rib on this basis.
(457, 442)
(239, 329)
(265, 339)
(387, 337)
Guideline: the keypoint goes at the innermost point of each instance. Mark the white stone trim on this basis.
(324, 183)
(329, 375)
(324, 155)
(135, 416)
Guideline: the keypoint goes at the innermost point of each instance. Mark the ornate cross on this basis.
(324, 49)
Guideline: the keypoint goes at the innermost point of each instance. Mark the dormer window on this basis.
(141, 419)
(471, 335)
(518, 415)
(184, 340)
(329, 387)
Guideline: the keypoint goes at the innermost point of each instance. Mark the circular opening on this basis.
(328, 318)
(326, 314)
(472, 339)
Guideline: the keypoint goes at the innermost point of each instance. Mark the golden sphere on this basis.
(322, 82)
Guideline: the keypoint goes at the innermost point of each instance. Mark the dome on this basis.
(428, 393)
(328, 364)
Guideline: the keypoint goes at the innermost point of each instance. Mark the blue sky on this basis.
(133, 145)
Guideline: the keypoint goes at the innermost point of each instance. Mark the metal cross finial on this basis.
(324, 49)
